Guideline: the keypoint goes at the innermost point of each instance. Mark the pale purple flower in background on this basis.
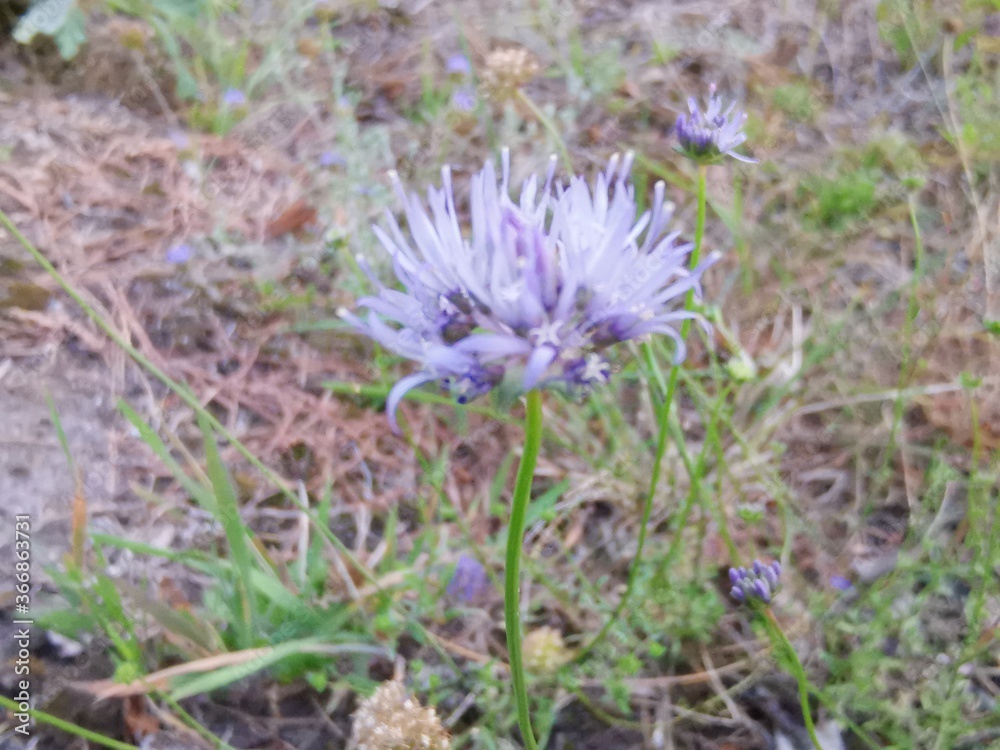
(840, 583)
(761, 582)
(179, 252)
(706, 137)
(331, 159)
(458, 64)
(470, 581)
(536, 292)
(234, 98)
(464, 98)
(179, 138)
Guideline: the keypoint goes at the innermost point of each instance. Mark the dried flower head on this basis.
(545, 651)
(537, 293)
(392, 720)
(760, 583)
(706, 137)
(508, 69)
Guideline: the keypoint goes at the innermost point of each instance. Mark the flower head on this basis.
(234, 98)
(458, 64)
(545, 651)
(464, 98)
(470, 580)
(390, 719)
(508, 69)
(760, 583)
(539, 289)
(708, 136)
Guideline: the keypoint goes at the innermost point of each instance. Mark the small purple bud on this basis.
(734, 576)
(469, 581)
(458, 64)
(331, 159)
(178, 138)
(762, 590)
(841, 583)
(737, 593)
(758, 567)
(777, 567)
(771, 574)
(234, 98)
(464, 98)
(179, 253)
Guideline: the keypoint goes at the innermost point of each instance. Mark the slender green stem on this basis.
(549, 126)
(515, 540)
(780, 641)
(663, 417)
(67, 727)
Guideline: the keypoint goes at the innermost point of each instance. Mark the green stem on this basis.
(663, 417)
(780, 641)
(515, 541)
(69, 728)
(550, 126)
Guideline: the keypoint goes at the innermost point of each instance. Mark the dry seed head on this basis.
(393, 720)
(545, 651)
(508, 69)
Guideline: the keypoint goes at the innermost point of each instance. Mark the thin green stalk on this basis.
(67, 727)
(550, 126)
(663, 417)
(780, 641)
(515, 540)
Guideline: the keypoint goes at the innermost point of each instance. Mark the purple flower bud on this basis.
(706, 137)
(179, 138)
(762, 590)
(469, 581)
(760, 583)
(458, 64)
(771, 574)
(179, 253)
(331, 159)
(841, 583)
(464, 98)
(234, 98)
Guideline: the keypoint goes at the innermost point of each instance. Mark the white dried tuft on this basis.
(391, 719)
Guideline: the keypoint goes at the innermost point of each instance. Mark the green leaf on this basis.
(228, 514)
(72, 34)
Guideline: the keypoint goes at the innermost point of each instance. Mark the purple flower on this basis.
(841, 583)
(178, 138)
(331, 159)
(538, 290)
(458, 64)
(464, 98)
(234, 98)
(469, 581)
(179, 253)
(707, 136)
(761, 582)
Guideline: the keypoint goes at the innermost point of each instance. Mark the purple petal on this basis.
(399, 390)
(537, 363)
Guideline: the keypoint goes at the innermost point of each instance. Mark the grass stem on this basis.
(663, 419)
